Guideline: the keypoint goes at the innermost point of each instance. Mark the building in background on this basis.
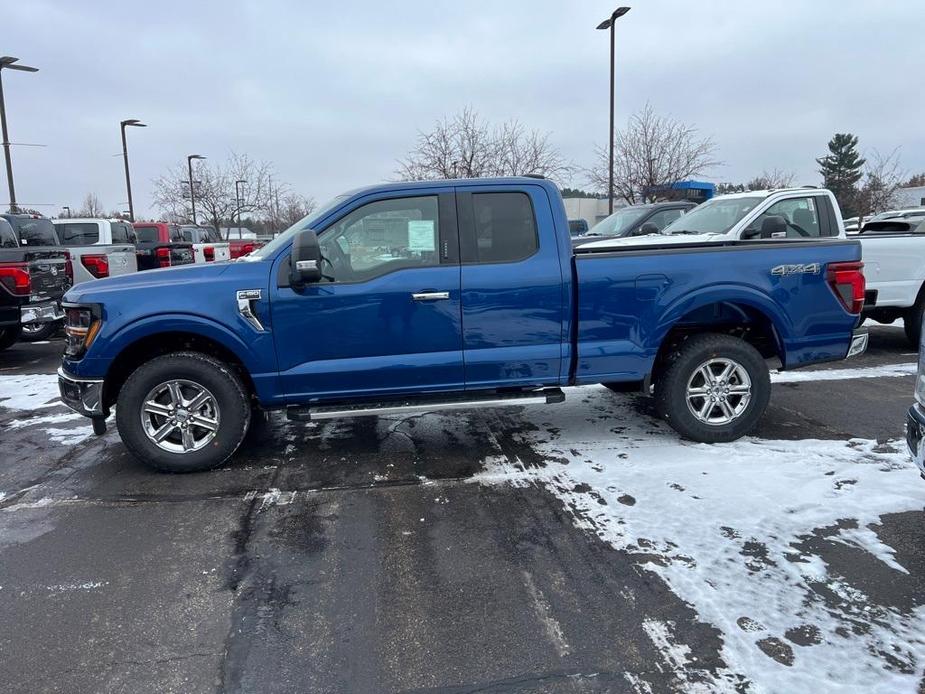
(909, 197)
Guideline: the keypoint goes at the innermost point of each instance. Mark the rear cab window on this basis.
(147, 233)
(174, 234)
(78, 233)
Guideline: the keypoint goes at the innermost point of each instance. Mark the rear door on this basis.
(386, 320)
(512, 292)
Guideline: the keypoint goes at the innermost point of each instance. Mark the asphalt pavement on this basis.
(365, 555)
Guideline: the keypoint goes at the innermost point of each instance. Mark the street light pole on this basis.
(192, 194)
(8, 62)
(610, 24)
(239, 199)
(128, 179)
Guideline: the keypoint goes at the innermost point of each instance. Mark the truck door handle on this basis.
(430, 296)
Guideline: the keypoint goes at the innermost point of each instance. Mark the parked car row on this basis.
(40, 259)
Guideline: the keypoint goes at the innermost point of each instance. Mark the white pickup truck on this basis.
(894, 265)
(208, 244)
(98, 247)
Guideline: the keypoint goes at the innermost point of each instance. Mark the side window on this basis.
(505, 228)
(380, 237)
(800, 214)
(664, 218)
(174, 234)
(7, 236)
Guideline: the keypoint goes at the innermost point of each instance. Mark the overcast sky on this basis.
(333, 93)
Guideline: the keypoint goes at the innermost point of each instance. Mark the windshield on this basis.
(304, 223)
(716, 216)
(78, 233)
(619, 220)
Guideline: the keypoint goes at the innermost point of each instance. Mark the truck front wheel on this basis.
(183, 412)
(714, 388)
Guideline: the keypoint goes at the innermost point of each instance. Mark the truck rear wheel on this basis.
(715, 388)
(34, 332)
(183, 412)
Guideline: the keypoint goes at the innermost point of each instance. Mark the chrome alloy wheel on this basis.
(180, 416)
(718, 391)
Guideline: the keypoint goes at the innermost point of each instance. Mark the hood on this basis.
(653, 240)
(146, 280)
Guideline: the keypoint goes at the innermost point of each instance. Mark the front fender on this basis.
(257, 353)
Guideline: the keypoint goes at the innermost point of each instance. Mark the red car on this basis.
(159, 244)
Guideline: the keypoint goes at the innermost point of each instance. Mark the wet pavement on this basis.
(423, 553)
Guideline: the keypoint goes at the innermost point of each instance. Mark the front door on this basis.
(387, 317)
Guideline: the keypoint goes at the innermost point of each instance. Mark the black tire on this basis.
(9, 337)
(912, 322)
(671, 395)
(40, 332)
(218, 378)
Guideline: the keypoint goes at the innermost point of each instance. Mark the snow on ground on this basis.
(726, 527)
(885, 371)
(29, 392)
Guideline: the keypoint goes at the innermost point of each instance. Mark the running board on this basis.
(307, 413)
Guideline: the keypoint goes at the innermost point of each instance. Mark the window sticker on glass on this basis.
(421, 236)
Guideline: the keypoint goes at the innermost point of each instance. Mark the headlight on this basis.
(81, 325)
(920, 377)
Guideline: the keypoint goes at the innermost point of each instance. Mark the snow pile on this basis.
(29, 392)
(729, 528)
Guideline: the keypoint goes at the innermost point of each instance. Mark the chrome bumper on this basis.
(858, 344)
(83, 395)
(41, 313)
(915, 436)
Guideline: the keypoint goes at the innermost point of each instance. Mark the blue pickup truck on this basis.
(437, 295)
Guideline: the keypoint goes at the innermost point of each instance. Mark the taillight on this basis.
(847, 282)
(97, 265)
(16, 278)
(209, 253)
(163, 257)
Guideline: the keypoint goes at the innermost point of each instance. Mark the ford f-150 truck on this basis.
(50, 271)
(160, 245)
(98, 247)
(437, 295)
(208, 244)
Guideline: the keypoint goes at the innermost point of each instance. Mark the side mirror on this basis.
(648, 228)
(306, 259)
(774, 226)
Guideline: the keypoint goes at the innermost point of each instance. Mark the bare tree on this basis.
(293, 207)
(915, 181)
(91, 207)
(883, 176)
(771, 180)
(653, 152)
(466, 146)
(215, 190)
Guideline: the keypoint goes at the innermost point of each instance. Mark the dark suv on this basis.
(637, 220)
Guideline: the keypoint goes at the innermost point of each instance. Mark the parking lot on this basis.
(578, 547)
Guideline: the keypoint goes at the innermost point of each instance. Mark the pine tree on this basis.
(841, 170)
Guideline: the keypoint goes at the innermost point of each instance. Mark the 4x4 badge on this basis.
(806, 269)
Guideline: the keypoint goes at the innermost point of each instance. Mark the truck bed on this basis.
(630, 296)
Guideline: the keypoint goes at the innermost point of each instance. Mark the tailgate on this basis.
(181, 253)
(122, 260)
(48, 270)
